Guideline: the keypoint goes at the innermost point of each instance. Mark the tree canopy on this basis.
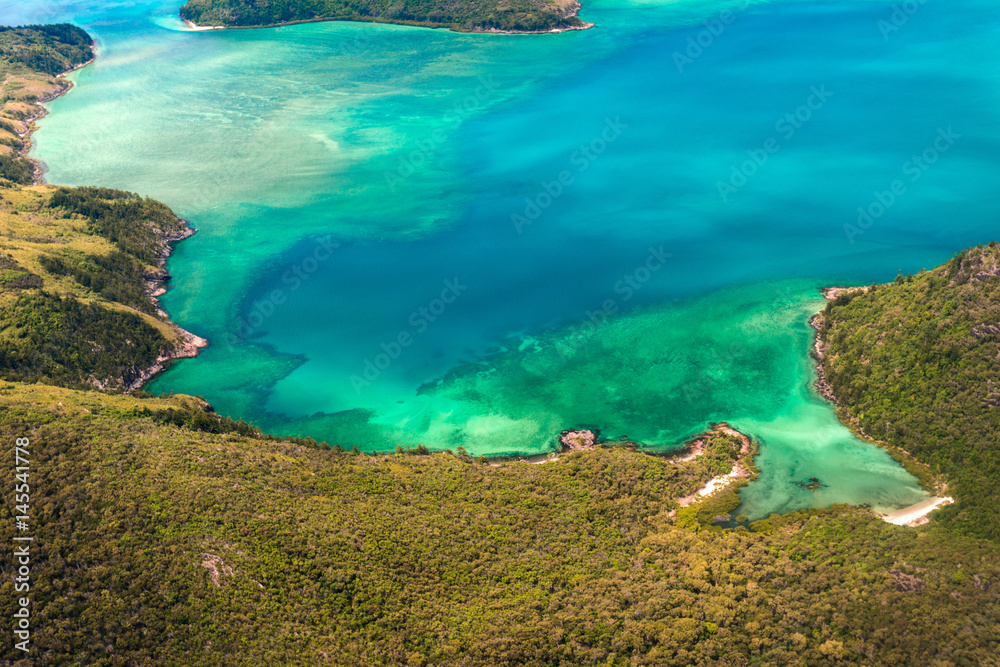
(473, 15)
(915, 363)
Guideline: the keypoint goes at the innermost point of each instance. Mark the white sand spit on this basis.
(916, 515)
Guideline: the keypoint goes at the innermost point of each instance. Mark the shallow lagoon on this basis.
(342, 175)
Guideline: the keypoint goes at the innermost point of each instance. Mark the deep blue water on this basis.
(342, 174)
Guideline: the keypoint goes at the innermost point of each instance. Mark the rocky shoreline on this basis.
(190, 348)
(818, 352)
(551, 31)
(187, 344)
(823, 387)
(29, 122)
(579, 440)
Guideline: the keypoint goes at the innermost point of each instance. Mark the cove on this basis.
(410, 158)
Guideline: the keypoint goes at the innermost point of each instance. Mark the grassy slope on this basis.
(917, 363)
(73, 284)
(470, 15)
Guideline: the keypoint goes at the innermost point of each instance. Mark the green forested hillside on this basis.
(168, 535)
(74, 268)
(472, 15)
(50, 49)
(162, 545)
(917, 363)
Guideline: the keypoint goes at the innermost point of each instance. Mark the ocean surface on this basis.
(412, 236)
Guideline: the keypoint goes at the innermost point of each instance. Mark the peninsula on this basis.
(913, 365)
(32, 60)
(509, 16)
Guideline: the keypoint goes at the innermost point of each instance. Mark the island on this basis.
(509, 16)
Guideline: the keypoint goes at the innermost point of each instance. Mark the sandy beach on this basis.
(721, 481)
(916, 515)
(715, 484)
(202, 28)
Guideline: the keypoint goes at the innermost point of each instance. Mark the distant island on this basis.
(507, 16)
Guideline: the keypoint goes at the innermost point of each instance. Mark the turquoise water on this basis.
(413, 236)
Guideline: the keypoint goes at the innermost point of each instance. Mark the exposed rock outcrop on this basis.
(572, 440)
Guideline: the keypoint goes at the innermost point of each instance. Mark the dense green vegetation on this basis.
(16, 169)
(722, 452)
(30, 59)
(168, 535)
(116, 277)
(165, 534)
(15, 276)
(472, 15)
(160, 545)
(51, 49)
(136, 225)
(74, 303)
(917, 363)
(61, 340)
